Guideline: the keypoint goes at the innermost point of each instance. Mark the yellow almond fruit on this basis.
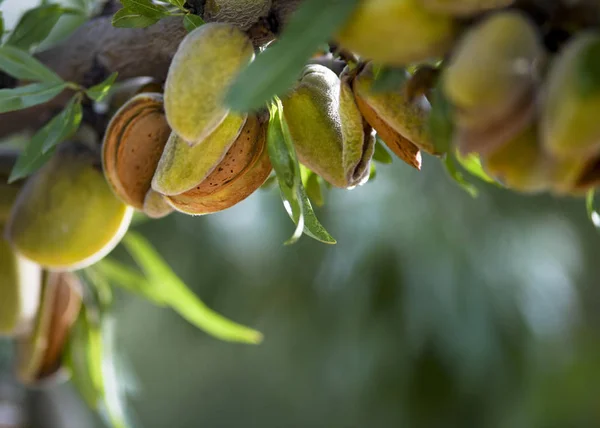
(132, 146)
(203, 68)
(397, 32)
(520, 164)
(395, 110)
(66, 216)
(569, 122)
(493, 67)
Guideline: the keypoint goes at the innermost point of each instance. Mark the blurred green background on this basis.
(433, 310)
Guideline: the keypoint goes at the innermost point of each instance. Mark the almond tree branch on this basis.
(97, 49)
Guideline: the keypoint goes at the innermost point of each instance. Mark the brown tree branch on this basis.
(97, 49)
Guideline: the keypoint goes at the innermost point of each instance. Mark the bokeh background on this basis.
(433, 310)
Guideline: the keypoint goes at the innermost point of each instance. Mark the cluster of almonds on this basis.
(527, 112)
(186, 151)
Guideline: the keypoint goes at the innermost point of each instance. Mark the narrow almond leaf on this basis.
(275, 70)
(178, 3)
(83, 359)
(457, 176)
(63, 125)
(472, 165)
(129, 279)
(286, 169)
(26, 96)
(314, 191)
(289, 176)
(41, 146)
(100, 286)
(381, 155)
(372, 172)
(591, 211)
(146, 8)
(191, 22)
(126, 18)
(180, 298)
(21, 65)
(1, 25)
(89, 358)
(36, 24)
(99, 92)
(32, 158)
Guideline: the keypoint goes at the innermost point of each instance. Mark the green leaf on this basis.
(99, 92)
(90, 359)
(99, 285)
(587, 65)
(64, 124)
(126, 18)
(41, 146)
(372, 172)
(472, 165)
(1, 25)
(283, 158)
(285, 163)
(191, 22)
(381, 155)
(21, 65)
(36, 24)
(83, 358)
(129, 279)
(440, 123)
(146, 8)
(30, 95)
(591, 211)
(275, 70)
(314, 190)
(178, 3)
(388, 79)
(451, 167)
(180, 298)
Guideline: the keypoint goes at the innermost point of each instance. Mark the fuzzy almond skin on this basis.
(493, 66)
(205, 64)
(569, 119)
(327, 128)
(397, 32)
(156, 206)
(245, 168)
(405, 117)
(520, 164)
(182, 166)
(465, 7)
(400, 146)
(132, 146)
(66, 217)
(241, 13)
(20, 282)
